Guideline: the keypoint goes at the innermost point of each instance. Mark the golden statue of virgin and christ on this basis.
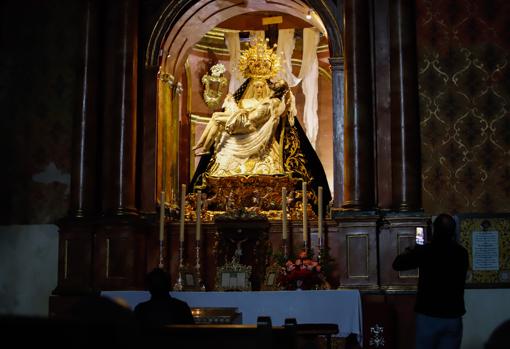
(255, 145)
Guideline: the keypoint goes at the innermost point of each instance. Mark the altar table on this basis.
(342, 307)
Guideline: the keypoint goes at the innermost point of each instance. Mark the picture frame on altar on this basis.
(271, 278)
(233, 277)
(189, 279)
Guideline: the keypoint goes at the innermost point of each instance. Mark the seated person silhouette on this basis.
(162, 309)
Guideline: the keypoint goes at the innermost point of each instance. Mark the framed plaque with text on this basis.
(487, 239)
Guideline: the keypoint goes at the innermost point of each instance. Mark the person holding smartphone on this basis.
(443, 265)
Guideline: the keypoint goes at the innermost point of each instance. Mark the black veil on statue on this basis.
(304, 165)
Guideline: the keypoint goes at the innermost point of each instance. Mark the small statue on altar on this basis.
(205, 201)
(231, 202)
(255, 204)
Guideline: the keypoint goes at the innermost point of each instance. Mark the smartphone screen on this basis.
(420, 237)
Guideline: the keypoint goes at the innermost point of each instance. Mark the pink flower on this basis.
(302, 273)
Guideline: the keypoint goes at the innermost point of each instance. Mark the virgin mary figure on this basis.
(257, 133)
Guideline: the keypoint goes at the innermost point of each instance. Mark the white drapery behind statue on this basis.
(286, 44)
(234, 47)
(308, 75)
(310, 79)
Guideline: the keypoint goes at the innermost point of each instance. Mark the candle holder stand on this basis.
(284, 247)
(200, 283)
(178, 285)
(161, 265)
(319, 252)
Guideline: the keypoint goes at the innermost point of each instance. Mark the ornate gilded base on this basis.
(257, 194)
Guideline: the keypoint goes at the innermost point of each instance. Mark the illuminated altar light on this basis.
(309, 14)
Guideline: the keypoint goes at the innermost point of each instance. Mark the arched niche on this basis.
(181, 26)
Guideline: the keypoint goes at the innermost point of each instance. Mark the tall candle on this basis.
(319, 234)
(162, 217)
(305, 213)
(199, 214)
(284, 213)
(183, 206)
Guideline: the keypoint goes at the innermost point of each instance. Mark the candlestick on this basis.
(305, 214)
(200, 284)
(161, 227)
(319, 233)
(183, 207)
(162, 217)
(178, 285)
(284, 213)
(199, 214)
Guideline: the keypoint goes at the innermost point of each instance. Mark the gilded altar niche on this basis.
(254, 147)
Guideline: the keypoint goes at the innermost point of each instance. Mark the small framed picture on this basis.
(188, 279)
(271, 278)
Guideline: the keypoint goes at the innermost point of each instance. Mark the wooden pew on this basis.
(220, 336)
(262, 335)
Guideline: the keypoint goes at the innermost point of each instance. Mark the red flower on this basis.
(303, 273)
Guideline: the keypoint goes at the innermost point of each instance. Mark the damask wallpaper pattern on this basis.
(464, 87)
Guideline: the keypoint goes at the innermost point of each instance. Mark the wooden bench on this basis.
(262, 335)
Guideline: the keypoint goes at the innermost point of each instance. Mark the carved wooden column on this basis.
(76, 230)
(120, 107)
(120, 238)
(149, 145)
(406, 174)
(83, 178)
(382, 103)
(337, 72)
(358, 127)
(184, 138)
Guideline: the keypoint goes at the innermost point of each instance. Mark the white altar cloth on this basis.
(342, 307)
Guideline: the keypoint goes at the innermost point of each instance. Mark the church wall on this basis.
(39, 93)
(28, 268)
(464, 69)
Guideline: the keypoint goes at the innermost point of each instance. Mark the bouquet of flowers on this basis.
(217, 69)
(303, 273)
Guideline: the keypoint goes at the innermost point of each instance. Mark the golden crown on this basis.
(259, 61)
